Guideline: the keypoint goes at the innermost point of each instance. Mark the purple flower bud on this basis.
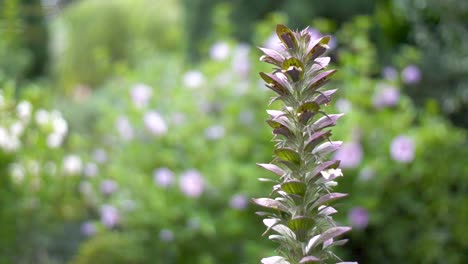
(88, 229)
(350, 155)
(238, 201)
(358, 217)
(110, 217)
(164, 177)
(191, 183)
(402, 149)
(386, 96)
(108, 187)
(390, 73)
(411, 74)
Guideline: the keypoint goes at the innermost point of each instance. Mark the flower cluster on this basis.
(299, 210)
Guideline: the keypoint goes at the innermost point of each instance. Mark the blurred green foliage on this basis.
(92, 36)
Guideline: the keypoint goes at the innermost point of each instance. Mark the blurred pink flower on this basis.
(411, 74)
(386, 96)
(390, 73)
(402, 149)
(164, 177)
(108, 187)
(166, 235)
(109, 216)
(141, 93)
(241, 60)
(100, 156)
(350, 155)
(191, 183)
(219, 51)
(238, 201)
(358, 217)
(88, 229)
(124, 128)
(90, 169)
(155, 123)
(214, 132)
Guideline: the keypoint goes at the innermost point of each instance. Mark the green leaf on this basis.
(288, 155)
(294, 69)
(294, 187)
(308, 106)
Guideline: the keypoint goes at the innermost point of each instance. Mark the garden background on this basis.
(130, 129)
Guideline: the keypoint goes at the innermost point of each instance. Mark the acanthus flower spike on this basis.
(298, 210)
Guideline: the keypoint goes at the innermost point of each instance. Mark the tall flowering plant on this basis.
(298, 210)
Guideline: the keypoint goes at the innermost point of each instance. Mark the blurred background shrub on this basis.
(139, 145)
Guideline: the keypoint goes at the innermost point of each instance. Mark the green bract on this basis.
(298, 211)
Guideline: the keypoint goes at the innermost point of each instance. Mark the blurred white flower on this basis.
(178, 118)
(59, 124)
(110, 217)
(331, 174)
(50, 168)
(141, 94)
(164, 177)
(34, 167)
(155, 123)
(54, 140)
(90, 169)
(214, 132)
(274, 260)
(241, 60)
(343, 105)
(2, 100)
(191, 183)
(72, 165)
(349, 154)
(124, 128)
(41, 117)
(219, 51)
(24, 110)
(17, 172)
(193, 79)
(16, 129)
